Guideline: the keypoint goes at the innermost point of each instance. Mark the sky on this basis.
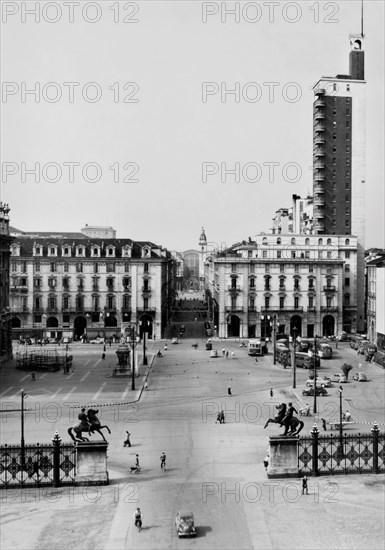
(132, 123)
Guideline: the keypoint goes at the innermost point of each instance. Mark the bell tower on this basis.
(202, 257)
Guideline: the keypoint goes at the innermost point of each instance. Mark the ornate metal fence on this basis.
(349, 454)
(33, 465)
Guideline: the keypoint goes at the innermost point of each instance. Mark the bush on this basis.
(346, 368)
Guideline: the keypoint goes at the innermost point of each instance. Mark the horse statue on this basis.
(89, 423)
(280, 416)
(295, 425)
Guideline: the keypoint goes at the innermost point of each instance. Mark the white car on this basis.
(319, 382)
(97, 340)
(174, 341)
(339, 378)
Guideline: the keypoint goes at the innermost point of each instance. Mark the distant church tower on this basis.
(202, 257)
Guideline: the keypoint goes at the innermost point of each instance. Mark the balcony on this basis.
(95, 288)
(150, 310)
(319, 201)
(318, 188)
(319, 102)
(319, 177)
(237, 309)
(277, 309)
(19, 288)
(319, 152)
(319, 139)
(319, 92)
(234, 288)
(319, 214)
(320, 226)
(146, 289)
(319, 115)
(331, 309)
(312, 309)
(318, 127)
(53, 309)
(319, 165)
(329, 288)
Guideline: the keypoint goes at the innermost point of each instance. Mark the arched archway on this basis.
(15, 322)
(111, 321)
(145, 325)
(80, 325)
(52, 322)
(296, 323)
(233, 326)
(328, 325)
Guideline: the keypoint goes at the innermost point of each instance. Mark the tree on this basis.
(346, 368)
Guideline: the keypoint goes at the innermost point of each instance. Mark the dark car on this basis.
(319, 391)
(184, 524)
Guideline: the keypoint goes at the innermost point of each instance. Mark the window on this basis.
(264, 253)
(347, 137)
(38, 251)
(282, 283)
(126, 302)
(252, 282)
(311, 269)
(296, 284)
(79, 267)
(267, 302)
(95, 283)
(96, 268)
(126, 267)
(347, 223)
(347, 243)
(348, 124)
(307, 241)
(252, 268)
(81, 284)
(293, 254)
(37, 284)
(267, 283)
(282, 268)
(347, 112)
(347, 281)
(279, 240)
(52, 302)
(348, 98)
(110, 252)
(264, 240)
(347, 210)
(66, 304)
(279, 254)
(110, 283)
(347, 185)
(320, 241)
(282, 302)
(293, 241)
(296, 302)
(307, 254)
(252, 303)
(111, 302)
(53, 267)
(347, 268)
(329, 241)
(66, 267)
(334, 161)
(95, 303)
(80, 251)
(145, 303)
(334, 136)
(145, 267)
(111, 267)
(311, 301)
(347, 299)
(348, 148)
(51, 282)
(329, 302)
(66, 251)
(348, 90)
(126, 283)
(311, 284)
(296, 268)
(95, 251)
(37, 318)
(79, 303)
(37, 302)
(37, 266)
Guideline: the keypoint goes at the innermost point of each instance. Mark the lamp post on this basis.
(314, 354)
(133, 344)
(144, 326)
(293, 340)
(340, 392)
(274, 339)
(22, 442)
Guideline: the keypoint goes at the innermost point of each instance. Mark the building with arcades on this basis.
(71, 285)
(302, 282)
(5, 319)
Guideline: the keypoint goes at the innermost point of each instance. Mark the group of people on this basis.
(220, 418)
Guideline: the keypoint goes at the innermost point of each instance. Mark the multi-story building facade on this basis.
(339, 158)
(5, 319)
(303, 282)
(75, 286)
(297, 219)
(375, 298)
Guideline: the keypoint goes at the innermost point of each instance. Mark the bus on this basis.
(255, 347)
(325, 351)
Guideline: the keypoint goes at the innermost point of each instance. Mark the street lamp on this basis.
(22, 442)
(314, 355)
(133, 345)
(293, 340)
(265, 319)
(340, 392)
(144, 326)
(274, 339)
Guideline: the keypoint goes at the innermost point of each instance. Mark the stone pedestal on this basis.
(283, 461)
(91, 463)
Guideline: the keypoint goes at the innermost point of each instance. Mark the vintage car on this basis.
(184, 524)
(97, 340)
(360, 377)
(339, 378)
(319, 391)
(319, 382)
(174, 341)
(214, 353)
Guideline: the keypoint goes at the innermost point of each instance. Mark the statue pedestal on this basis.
(91, 463)
(283, 460)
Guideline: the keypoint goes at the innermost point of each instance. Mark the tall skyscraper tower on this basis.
(339, 157)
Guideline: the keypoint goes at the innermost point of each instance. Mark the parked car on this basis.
(360, 377)
(214, 353)
(319, 382)
(174, 341)
(97, 340)
(342, 336)
(339, 378)
(319, 391)
(184, 524)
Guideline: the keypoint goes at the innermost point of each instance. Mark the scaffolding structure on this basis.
(43, 360)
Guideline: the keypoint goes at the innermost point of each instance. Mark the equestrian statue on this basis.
(285, 417)
(89, 423)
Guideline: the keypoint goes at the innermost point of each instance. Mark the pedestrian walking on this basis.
(137, 461)
(336, 344)
(104, 347)
(271, 392)
(228, 391)
(266, 462)
(127, 440)
(103, 355)
(33, 377)
(146, 385)
(227, 354)
(304, 486)
(222, 417)
(223, 352)
(324, 424)
(110, 342)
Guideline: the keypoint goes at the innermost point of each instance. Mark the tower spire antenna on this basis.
(362, 17)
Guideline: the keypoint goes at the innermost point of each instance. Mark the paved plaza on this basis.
(215, 470)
